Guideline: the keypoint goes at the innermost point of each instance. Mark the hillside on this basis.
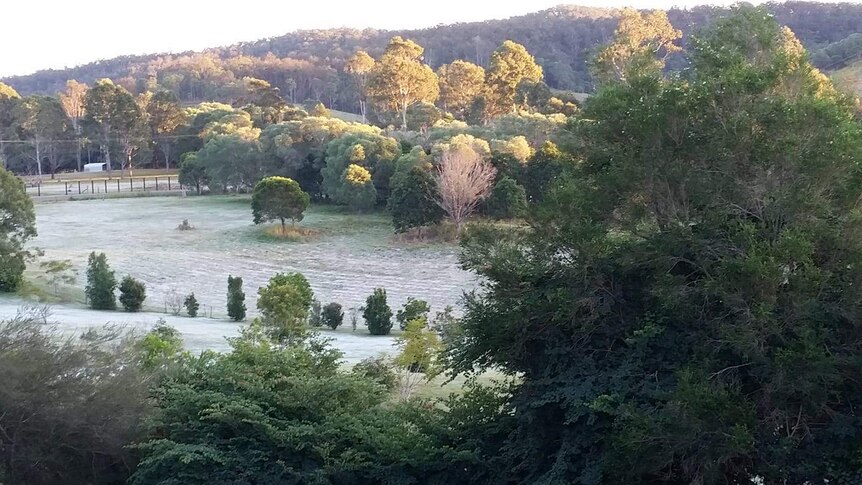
(849, 77)
(307, 64)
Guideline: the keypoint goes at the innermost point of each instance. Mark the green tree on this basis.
(412, 201)
(101, 283)
(357, 189)
(132, 294)
(417, 358)
(192, 305)
(278, 198)
(377, 314)
(373, 152)
(284, 304)
(332, 315)
(641, 44)
(235, 299)
(461, 82)
(193, 173)
(9, 103)
(59, 272)
(231, 161)
(510, 65)
(161, 347)
(400, 79)
(17, 226)
(43, 122)
(681, 309)
(164, 116)
(508, 200)
(314, 316)
(413, 309)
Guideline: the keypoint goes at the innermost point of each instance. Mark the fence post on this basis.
(79, 187)
(144, 180)
(157, 183)
(106, 186)
(39, 189)
(169, 182)
(118, 185)
(92, 186)
(131, 187)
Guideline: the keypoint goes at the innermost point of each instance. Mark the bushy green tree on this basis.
(332, 315)
(101, 283)
(278, 198)
(508, 200)
(284, 304)
(683, 309)
(413, 309)
(235, 299)
(411, 202)
(193, 173)
(17, 226)
(132, 294)
(377, 314)
(192, 305)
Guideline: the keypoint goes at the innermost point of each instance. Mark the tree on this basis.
(17, 226)
(231, 161)
(235, 299)
(510, 65)
(101, 283)
(377, 314)
(463, 179)
(508, 200)
(412, 201)
(417, 359)
(59, 271)
(73, 100)
(9, 102)
(132, 294)
(373, 152)
(641, 44)
(278, 198)
(461, 82)
(400, 78)
(332, 315)
(42, 121)
(314, 316)
(284, 304)
(359, 66)
(681, 309)
(114, 112)
(193, 173)
(357, 190)
(413, 309)
(192, 305)
(164, 116)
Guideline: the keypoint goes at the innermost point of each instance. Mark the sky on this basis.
(54, 34)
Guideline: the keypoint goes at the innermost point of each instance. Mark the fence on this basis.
(100, 186)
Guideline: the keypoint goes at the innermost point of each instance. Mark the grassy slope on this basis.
(849, 78)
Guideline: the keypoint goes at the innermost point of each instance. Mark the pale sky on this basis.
(42, 34)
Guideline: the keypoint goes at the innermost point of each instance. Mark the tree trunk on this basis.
(77, 128)
(38, 157)
(362, 110)
(404, 118)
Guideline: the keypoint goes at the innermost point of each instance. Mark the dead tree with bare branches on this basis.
(463, 179)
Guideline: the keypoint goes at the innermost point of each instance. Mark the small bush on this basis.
(332, 315)
(235, 299)
(132, 294)
(377, 314)
(192, 306)
(314, 315)
(12, 268)
(508, 200)
(412, 310)
(377, 369)
(101, 283)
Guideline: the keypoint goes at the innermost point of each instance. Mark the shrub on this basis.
(278, 198)
(377, 314)
(101, 283)
(11, 271)
(132, 294)
(192, 306)
(412, 310)
(235, 299)
(314, 315)
(332, 315)
(508, 200)
(411, 201)
(378, 369)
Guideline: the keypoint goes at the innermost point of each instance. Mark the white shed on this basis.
(95, 167)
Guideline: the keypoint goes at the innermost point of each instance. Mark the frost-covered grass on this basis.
(349, 256)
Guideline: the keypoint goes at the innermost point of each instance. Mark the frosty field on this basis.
(352, 255)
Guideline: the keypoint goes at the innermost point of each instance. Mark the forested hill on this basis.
(308, 64)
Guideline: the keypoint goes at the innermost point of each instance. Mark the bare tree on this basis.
(463, 179)
(72, 100)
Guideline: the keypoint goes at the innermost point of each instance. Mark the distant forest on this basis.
(309, 65)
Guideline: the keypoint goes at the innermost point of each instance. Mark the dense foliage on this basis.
(684, 308)
(332, 315)
(132, 294)
(284, 304)
(235, 299)
(377, 314)
(278, 198)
